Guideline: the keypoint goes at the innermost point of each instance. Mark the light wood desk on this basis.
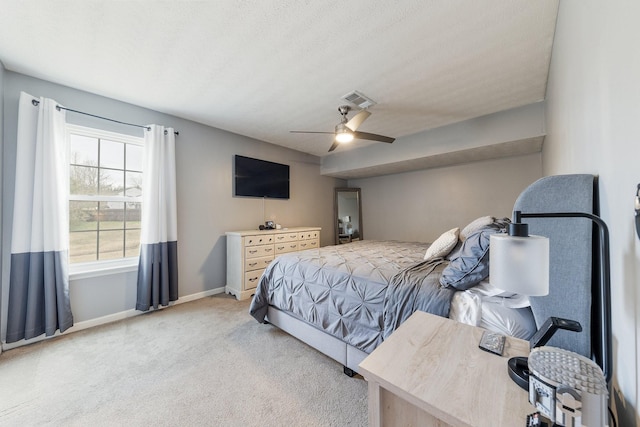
(430, 372)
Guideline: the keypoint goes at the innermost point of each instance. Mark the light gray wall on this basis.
(421, 205)
(206, 206)
(593, 125)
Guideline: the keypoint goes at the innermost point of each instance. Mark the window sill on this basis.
(102, 268)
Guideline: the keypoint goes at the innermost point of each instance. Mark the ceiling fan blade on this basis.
(308, 131)
(373, 137)
(334, 146)
(357, 120)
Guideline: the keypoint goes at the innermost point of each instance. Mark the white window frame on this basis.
(98, 268)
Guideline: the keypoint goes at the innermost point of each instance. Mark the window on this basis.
(105, 195)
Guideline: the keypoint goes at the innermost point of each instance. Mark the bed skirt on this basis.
(349, 356)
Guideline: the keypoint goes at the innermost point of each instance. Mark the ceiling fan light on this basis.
(343, 133)
(344, 136)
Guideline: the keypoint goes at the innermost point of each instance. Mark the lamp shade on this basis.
(343, 133)
(519, 264)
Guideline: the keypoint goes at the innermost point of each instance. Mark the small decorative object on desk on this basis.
(492, 342)
(567, 388)
(535, 420)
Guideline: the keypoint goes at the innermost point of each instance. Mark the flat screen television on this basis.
(260, 178)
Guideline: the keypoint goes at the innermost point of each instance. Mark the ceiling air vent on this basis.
(359, 100)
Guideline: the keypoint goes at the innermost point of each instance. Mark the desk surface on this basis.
(435, 364)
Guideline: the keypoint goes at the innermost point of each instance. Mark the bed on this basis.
(344, 300)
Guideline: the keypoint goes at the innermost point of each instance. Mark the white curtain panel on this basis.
(39, 282)
(158, 266)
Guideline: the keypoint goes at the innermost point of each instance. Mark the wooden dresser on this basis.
(249, 252)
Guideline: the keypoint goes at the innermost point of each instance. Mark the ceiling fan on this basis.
(346, 130)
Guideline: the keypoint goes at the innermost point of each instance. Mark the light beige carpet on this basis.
(206, 362)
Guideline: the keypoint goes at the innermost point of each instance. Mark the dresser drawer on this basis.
(257, 263)
(263, 239)
(307, 235)
(286, 237)
(282, 248)
(258, 251)
(308, 244)
(251, 279)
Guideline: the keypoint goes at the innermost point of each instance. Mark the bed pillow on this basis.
(443, 244)
(455, 251)
(471, 262)
(475, 225)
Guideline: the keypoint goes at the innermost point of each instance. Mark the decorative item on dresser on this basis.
(249, 252)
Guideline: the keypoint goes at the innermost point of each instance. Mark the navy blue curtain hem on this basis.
(157, 275)
(38, 295)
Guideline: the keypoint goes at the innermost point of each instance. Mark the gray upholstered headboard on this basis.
(571, 254)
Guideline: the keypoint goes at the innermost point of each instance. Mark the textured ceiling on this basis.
(261, 68)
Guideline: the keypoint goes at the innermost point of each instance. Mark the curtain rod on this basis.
(36, 102)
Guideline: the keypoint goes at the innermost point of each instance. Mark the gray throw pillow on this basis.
(470, 265)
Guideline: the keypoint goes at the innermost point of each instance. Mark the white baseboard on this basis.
(86, 324)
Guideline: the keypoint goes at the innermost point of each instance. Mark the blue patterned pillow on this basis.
(470, 264)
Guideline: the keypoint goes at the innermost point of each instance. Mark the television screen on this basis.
(259, 178)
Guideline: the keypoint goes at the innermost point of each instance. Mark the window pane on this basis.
(111, 244)
(133, 184)
(83, 180)
(102, 168)
(111, 182)
(111, 154)
(84, 150)
(83, 216)
(83, 246)
(133, 216)
(111, 215)
(132, 243)
(134, 157)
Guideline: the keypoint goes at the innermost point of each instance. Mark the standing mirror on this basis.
(347, 213)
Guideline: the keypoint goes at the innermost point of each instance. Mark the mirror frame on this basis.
(338, 190)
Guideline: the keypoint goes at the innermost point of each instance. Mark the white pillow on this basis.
(443, 244)
(475, 225)
(489, 293)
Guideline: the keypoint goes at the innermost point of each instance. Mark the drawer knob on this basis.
(253, 252)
